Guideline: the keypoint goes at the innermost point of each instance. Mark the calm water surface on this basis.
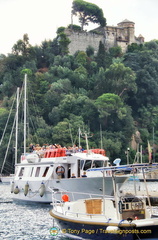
(19, 221)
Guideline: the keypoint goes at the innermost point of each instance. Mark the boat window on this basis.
(105, 164)
(87, 164)
(31, 172)
(37, 172)
(45, 172)
(97, 164)
(81, 163)
(21, 173)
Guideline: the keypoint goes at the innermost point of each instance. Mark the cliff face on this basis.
(111, 36)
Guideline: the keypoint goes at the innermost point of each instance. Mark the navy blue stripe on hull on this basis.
(98, 232)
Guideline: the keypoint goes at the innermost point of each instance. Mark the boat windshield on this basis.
(93, 164)
(87, 164)
(97, 164)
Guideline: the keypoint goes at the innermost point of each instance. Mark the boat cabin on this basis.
(59, 164)
(125, 208)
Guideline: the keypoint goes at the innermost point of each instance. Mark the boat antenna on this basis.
(86, 136)
(101, 137)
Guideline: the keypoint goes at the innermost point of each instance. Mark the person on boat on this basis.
(80, 149)
(37, 147)
(31, 148)
(84, 174)
(73, 175)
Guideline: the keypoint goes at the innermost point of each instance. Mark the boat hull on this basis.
(6, 179)
(91, 185)
(100, 231)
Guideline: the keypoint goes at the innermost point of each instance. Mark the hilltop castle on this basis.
(111, 36)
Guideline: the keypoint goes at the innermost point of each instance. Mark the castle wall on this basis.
(123, 45)
(121, 35)
(81, 40)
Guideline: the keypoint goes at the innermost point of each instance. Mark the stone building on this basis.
(111, 36)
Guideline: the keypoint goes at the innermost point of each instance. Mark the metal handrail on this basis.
(91, 215)
(63, 191)
(56, 201)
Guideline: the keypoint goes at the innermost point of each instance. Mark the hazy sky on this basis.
(41, 18)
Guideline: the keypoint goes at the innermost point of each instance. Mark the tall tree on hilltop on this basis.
(88, 12)
(22, 47)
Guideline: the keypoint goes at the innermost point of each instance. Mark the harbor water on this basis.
(23, 221)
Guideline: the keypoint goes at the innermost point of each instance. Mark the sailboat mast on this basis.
(79, 137)
(86, 137)
(16, 132)
(25, 86)
(101, 137)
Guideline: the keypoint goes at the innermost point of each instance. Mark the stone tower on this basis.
(112, 36)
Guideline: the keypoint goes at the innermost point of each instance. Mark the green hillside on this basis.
(111, 95)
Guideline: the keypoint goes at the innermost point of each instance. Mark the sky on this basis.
(41, 18)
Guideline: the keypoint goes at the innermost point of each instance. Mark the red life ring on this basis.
(65, 198)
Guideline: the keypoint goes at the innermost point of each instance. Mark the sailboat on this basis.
(9, 178)
(44, 170)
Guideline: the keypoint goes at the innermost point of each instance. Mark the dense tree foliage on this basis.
(110, 90)
(88, 12)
